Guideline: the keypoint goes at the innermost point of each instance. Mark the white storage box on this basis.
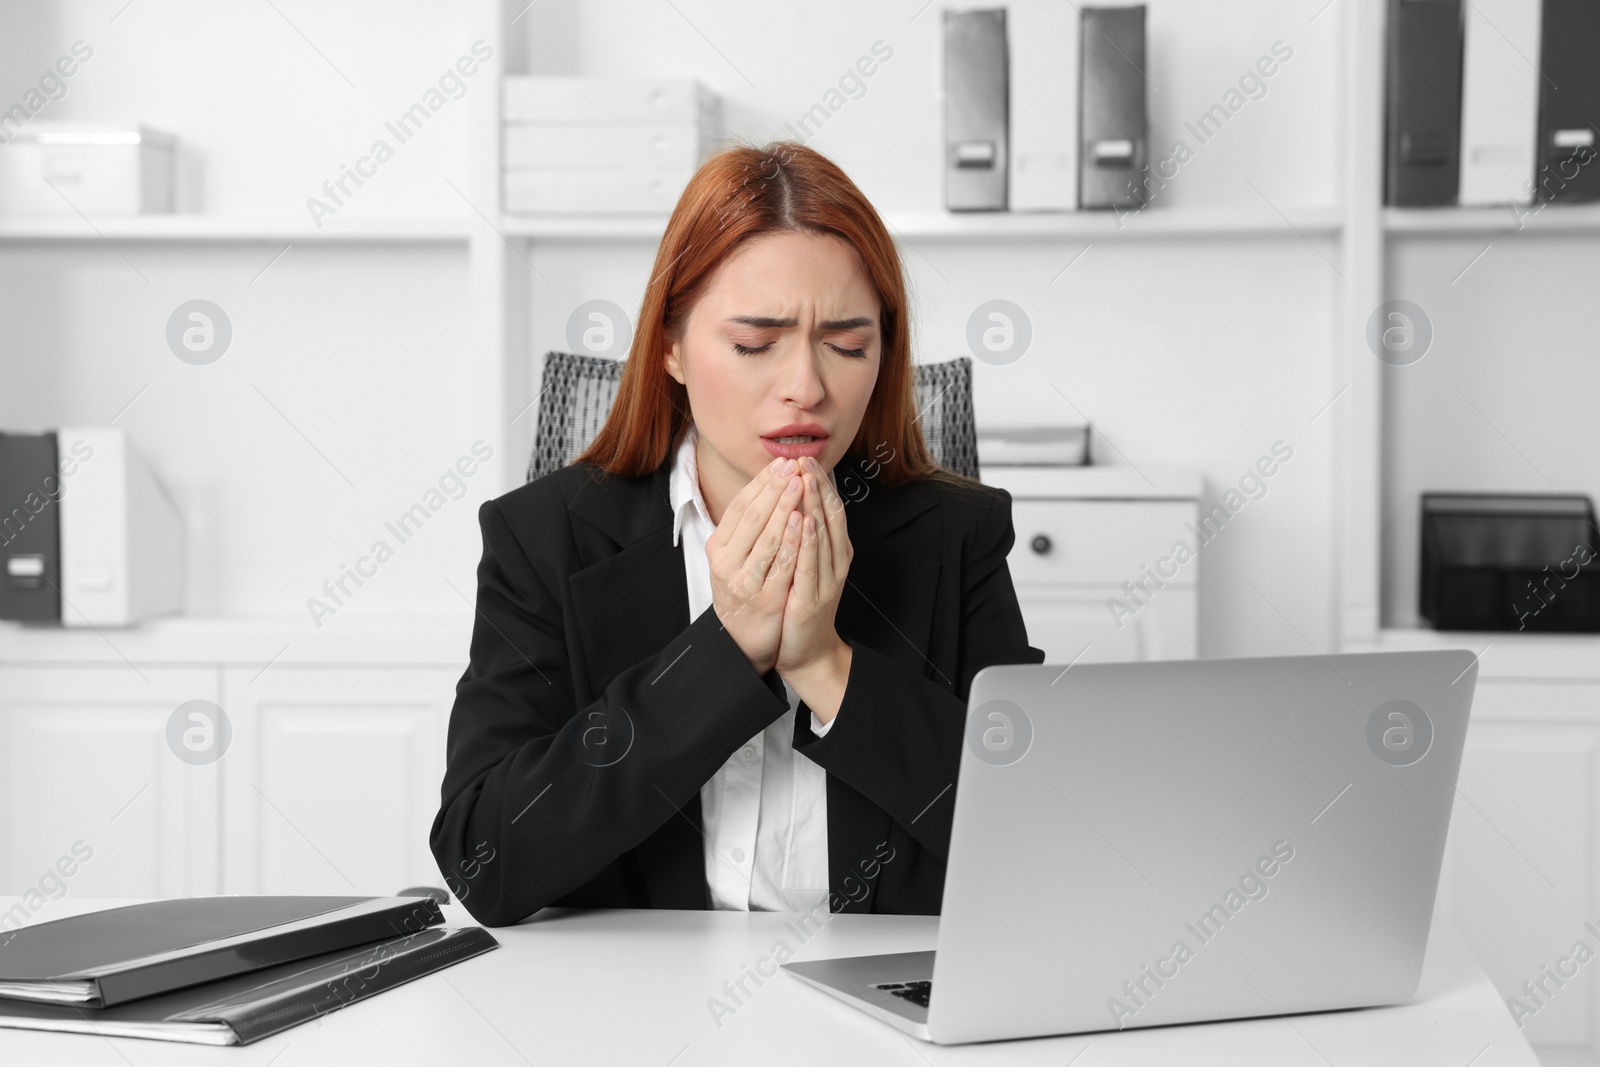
(622, 146)
(609, 146)
(50, 168)
(593, 192)
(552, 98)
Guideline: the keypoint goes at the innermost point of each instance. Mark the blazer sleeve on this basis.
(539, 796)
(897, 736)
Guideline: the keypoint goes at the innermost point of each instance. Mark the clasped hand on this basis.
(778, 559)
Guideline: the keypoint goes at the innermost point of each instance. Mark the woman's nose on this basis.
(803, 379)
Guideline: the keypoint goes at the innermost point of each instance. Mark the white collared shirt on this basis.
(766, 809)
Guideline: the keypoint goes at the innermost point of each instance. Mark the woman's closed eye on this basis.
(854, 353)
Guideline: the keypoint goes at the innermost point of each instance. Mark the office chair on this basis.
(579, 391)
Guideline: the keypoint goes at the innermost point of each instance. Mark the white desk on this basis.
(631, 987)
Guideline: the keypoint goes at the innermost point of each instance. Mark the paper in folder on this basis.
(1033, 446)
(248, 1007)
(108, 957)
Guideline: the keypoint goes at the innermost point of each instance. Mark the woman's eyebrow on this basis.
(765, 322)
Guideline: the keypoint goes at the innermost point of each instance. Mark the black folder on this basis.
(249, 1007)
(1569, 102)
(1112, 119)
(1423, 145)
(102, 958)
(30, 527)
(977, 110)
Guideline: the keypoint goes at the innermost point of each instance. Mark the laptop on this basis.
(1140, 844)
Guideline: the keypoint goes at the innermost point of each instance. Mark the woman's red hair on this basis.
(738, 194)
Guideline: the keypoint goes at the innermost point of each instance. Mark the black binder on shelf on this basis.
(1112, 120)
(1569, 102)
(102, 958)
(977, 104)
(248, 1007)
(1509, 561)
(1423, 142)
(30, 550)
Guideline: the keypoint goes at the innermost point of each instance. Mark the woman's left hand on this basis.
(809, 636)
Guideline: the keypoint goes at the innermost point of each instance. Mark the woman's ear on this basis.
(674, 364)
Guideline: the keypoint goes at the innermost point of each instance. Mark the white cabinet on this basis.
(333, 779)
(1519, 878)
(328, 785)
(93, 801)
(1074, 625)
(1094, 563)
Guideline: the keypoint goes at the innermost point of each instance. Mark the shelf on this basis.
(231, 229)
(1528, 218)
(979, 226)
(1119, 225)
(285, 642)
(992, 226)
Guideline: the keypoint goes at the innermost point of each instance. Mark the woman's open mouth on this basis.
(796, 445)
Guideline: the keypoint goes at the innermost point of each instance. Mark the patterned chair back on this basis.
(579, 391)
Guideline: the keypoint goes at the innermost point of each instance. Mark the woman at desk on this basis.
(721, 660)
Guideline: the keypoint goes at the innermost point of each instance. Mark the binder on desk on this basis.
(103, 958)
(976, 110)
(1569, 102)
(248, 1007)
(1499, 101)
(1112, 123)
(1423, 143)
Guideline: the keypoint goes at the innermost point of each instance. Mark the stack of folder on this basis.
(1492, 101)
(1044, 107)
(221, 970)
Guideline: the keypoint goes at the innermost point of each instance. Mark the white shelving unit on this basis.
(499, 251)
(1151, 223)
(1532, 219)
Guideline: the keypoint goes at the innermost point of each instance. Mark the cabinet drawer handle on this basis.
(1040, 544)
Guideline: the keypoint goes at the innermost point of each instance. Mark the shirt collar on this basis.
(684, 486)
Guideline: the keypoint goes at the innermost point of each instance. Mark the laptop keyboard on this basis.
(915, 992)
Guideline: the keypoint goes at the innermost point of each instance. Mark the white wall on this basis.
(264, 118)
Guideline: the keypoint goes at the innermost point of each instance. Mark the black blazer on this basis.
(594, 709)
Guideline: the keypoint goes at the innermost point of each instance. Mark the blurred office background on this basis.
(369, 370)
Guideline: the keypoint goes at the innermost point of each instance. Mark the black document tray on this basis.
(1509, 561)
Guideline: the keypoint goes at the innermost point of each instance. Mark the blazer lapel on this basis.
(630, 596)
(887, 605)
(888, 598)
(631, 600)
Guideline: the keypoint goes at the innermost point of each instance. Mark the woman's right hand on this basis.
(752, 554)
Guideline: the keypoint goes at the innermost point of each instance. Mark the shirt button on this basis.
(738, 855)
(748, 752)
